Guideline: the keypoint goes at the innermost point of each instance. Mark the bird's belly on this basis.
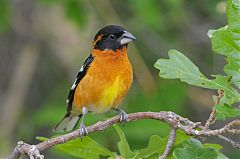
(101, 96)
(109, 97)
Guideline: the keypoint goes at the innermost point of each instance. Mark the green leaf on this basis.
(87, 148)
(215, 146)
(226, 41)
(221, 156)
(123, 145)
(233, 15)
(223, 43)
(193, 149)
(233, 69)
(225, 111)
(180, 137)
(180, 67)
(156, 145)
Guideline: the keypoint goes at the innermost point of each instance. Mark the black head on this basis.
(112, 37)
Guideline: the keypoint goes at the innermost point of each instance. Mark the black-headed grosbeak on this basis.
(102, 81)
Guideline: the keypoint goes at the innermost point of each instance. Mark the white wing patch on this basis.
(75, 82)
(67, 101)
(81, 69)
(74, 85)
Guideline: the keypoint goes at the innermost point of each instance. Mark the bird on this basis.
(103, 80)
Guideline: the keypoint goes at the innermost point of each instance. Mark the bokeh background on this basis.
(43, 43)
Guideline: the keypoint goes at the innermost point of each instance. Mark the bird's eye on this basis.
(112, 37)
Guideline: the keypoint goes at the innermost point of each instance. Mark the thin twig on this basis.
(170, 143)
(233, 143)
(211, 119)
(171, 118)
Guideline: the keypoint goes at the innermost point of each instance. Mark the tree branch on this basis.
(174, 120)
(211, 119)
(170, 143)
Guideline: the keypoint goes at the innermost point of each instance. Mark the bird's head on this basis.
(112, 37)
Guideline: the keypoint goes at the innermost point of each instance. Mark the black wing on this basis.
(82, 72)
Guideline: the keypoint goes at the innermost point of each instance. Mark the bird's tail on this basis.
(68, 122)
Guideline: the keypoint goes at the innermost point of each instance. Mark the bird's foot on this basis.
(82, 131)
(123, 116)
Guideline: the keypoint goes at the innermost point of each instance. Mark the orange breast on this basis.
(107, 81)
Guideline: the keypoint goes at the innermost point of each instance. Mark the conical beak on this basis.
(126, 38)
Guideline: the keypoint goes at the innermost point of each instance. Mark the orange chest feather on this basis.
(107, 81)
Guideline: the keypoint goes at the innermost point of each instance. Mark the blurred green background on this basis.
(43, 43)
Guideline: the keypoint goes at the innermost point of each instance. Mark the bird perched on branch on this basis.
(102, 81)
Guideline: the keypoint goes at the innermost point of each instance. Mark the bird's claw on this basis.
(123, 116)
(82, 131)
